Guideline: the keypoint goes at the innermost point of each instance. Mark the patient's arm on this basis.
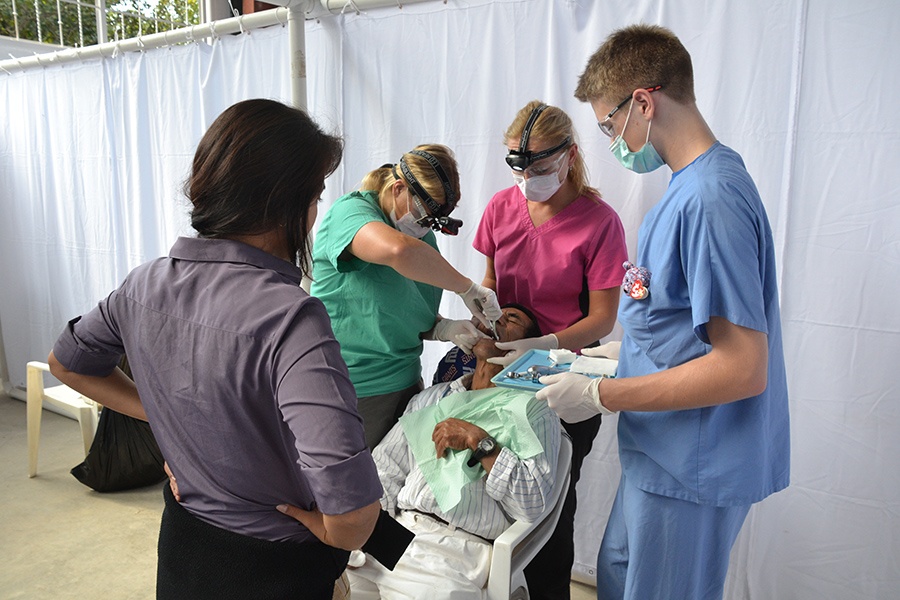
(392, 459)
(523, 487)
(456, 434)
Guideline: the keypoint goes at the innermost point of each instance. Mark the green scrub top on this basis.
(377, 314)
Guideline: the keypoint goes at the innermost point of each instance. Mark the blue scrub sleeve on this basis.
(721, 261)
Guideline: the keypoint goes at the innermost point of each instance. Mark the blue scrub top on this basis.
(709, 249)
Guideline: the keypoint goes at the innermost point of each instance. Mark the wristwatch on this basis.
(485, 447)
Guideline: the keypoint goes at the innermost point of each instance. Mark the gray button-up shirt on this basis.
(242, 381)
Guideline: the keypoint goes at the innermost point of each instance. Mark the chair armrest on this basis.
(35, 379)
(521, 541)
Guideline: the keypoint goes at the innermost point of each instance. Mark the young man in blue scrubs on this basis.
(701, 389)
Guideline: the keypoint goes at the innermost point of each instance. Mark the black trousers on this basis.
(199, 561)
(549, 574)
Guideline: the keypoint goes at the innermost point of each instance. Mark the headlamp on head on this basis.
(521, 159)
(446, 225)
(437, 216)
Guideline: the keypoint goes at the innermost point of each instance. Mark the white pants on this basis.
(441, 563)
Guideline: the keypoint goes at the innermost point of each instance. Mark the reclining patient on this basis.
(456, 500)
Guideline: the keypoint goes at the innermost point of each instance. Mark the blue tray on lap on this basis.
(533, 357)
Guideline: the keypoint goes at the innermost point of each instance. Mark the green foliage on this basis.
(125, 19)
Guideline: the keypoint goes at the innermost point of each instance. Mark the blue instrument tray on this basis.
(533, 357)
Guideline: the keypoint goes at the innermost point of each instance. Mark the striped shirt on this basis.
(514, 489)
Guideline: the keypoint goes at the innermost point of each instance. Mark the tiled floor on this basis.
(61, 540)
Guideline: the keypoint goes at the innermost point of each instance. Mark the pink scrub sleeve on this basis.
(548, 268)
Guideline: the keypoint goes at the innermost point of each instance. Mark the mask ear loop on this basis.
(396, 179)
(627, 117)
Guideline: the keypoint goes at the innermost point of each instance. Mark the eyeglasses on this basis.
(606, 125)
(544, 167)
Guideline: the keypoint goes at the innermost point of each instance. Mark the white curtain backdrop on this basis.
(92, 157)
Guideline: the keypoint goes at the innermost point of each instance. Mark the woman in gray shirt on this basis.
(238, 373)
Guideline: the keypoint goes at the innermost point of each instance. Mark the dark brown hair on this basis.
(260, 165)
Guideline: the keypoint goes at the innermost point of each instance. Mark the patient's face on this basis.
(510, 327)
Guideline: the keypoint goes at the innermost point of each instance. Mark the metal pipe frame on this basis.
(193, 33)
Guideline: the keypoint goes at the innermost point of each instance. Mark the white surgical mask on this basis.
(407, 223)
(539, 188)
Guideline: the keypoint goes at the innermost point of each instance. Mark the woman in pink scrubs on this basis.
(554, 245)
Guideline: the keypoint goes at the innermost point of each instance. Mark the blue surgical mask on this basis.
(642, 161)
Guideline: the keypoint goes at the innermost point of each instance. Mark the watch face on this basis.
(487, 445)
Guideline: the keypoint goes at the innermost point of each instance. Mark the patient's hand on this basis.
(456, 434)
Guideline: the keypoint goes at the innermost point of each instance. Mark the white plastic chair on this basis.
(63, 398)
(516, 546)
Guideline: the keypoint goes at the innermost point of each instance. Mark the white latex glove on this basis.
(461, 333)
(573, 397)
(607, 350)
(519, 347)
(482, 303)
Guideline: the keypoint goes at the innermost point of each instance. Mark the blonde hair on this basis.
(552, 126)
(638, 56)
(382, 178)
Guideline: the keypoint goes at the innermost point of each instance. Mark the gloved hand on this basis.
(461, 333)
(607, 350)
(482, 303)
(519, 347)
(573, 397)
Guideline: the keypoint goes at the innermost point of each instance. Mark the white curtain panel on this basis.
(92, 157)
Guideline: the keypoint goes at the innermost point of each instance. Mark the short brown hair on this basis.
(552, 126)
(638, 56)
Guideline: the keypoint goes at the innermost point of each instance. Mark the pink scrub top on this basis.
(550, 268)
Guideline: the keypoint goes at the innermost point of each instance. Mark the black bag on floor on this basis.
(123, 456)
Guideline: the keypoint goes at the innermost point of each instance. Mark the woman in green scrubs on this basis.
(378, 270)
